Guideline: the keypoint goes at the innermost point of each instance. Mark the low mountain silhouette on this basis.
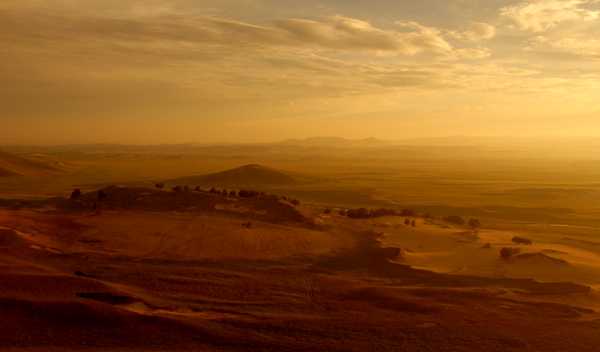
(248, 174)
(334, 142)
(13, 165)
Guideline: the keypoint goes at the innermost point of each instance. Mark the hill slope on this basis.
(248, 174)
(13, 165)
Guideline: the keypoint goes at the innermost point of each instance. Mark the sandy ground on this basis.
(135, 281)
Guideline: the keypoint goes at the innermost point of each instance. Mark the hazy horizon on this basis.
(420, 140)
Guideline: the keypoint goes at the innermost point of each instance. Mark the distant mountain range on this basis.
(536, 142)
(335, 142)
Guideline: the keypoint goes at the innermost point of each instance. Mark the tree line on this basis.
(242, 193)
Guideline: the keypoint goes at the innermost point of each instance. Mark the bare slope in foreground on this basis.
(124, 280)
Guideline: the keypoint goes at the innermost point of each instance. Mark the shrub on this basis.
(413, 223)
(295, 202)
(360, 213)
(160, 185)
(224, 192)
(102, 194)
(474, 223)
(186, 187)
(455, 219)
(198, 189)
(327, 211)
(523, 240)
(176, 188)
(406, 221)
(76, 193)
(507, 253)
(408, 212)
(342, 212)
(232, 194)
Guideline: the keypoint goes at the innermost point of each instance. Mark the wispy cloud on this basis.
(542, 15)
(584, 48)
(475, 31)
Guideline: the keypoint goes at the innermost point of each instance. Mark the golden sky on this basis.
(171, 71)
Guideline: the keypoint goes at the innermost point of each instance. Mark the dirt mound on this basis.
(261, 207)
(276, 208)
(539, 258)
(248, 174)
(13, 165)
(10, 238)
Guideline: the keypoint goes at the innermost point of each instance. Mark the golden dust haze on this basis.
(163, 71)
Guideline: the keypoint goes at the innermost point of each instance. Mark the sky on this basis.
(174, 71)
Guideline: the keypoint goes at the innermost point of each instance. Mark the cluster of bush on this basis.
(364, 213)
(455, 219)
(243, 193)
(77, 192)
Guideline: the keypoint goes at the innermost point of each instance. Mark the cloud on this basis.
(542, 15)
(584, 48)
(475, 31)
(342, 33)
(468, 53)
(479, 30)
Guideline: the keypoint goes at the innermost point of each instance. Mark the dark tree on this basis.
(198, 189)
(327, 211)
(176, 188)
(408, 212)
(507, 253)
(232, 194)
(213, 190)
(523, 240)
(342, 212)
(186, 187)
(474, 223)
(295, 202)
(407, 221)
(455, 219)
(76, 193)
(160, 185)
(413, 223)
(225, 193)
(102, 194)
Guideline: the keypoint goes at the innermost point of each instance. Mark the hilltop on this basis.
(270, 208)
(247, 174)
